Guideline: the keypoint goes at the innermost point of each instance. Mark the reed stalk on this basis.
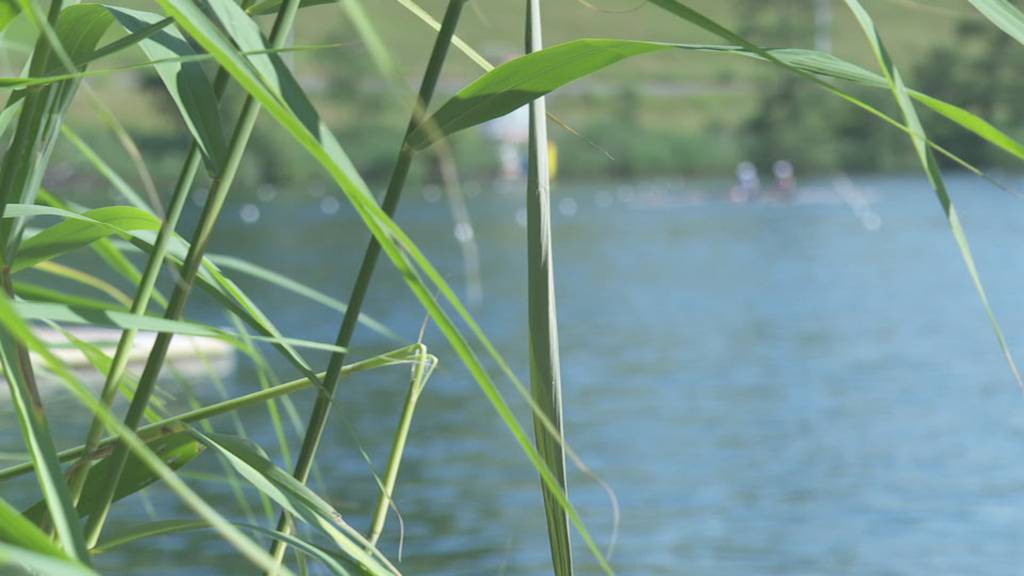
(421, 370)
(545, 376)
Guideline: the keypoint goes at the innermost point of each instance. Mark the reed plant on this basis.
(200, 50)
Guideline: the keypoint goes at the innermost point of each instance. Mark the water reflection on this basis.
(770, 388)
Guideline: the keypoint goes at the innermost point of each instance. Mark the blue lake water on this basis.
(798, 387)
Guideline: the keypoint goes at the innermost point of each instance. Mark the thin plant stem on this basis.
(421, 370)
(321, 409)
(190, 267)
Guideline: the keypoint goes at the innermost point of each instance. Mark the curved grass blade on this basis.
(519, 81)
(107, 250)
(73, 234)
(522, 80)
(931, 170)
(913, 128)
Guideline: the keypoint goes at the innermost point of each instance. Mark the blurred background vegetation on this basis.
(671, 114)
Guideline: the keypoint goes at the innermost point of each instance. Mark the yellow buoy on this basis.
(552, 160)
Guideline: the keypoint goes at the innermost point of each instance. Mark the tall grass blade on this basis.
(545, 373)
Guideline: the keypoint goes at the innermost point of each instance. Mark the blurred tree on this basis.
(793, 120)
(982, 70)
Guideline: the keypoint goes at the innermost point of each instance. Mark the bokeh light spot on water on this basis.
(463, 231)
(250, 213)
(329, 205)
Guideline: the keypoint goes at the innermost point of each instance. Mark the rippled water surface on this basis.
(801, 387)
